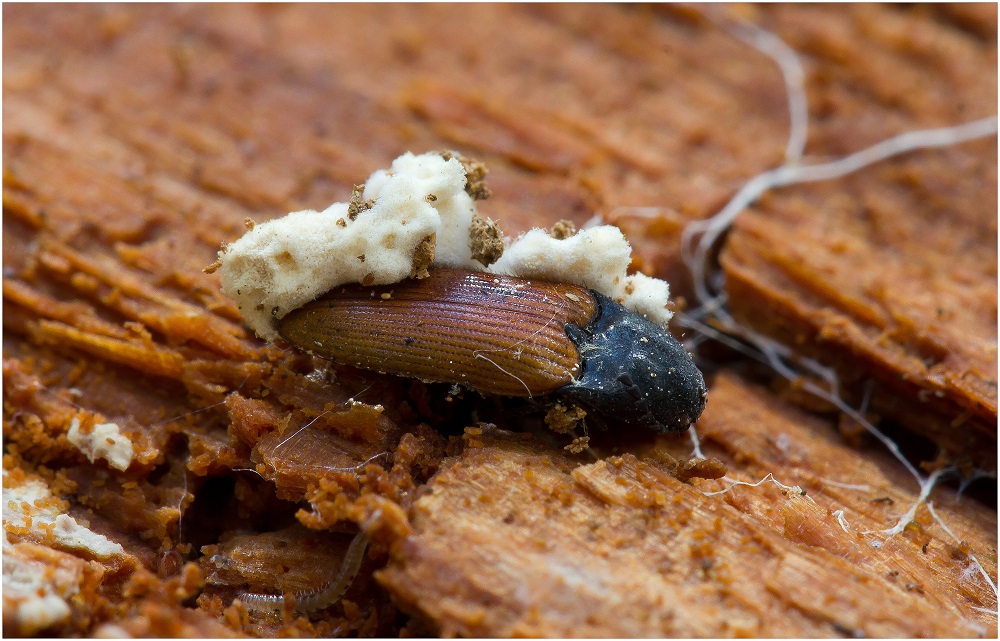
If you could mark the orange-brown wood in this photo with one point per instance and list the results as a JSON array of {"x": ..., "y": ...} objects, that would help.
[
  {"x": 137, "y": 138},
  {"x": 495, "y": 334}
]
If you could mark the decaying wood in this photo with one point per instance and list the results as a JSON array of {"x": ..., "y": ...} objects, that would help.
[
  {"x": 903, "y": 314},
  {"x": 513, "y": 539},
  {"x": 137, "y": 140}
]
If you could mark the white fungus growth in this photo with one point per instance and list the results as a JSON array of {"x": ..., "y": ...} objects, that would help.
[
  {"x": 104, "y": 441},
  {"x": 20, "y": 510},
  {"x": 37, "y": 592},
  {"x": 283, "y": 264},
  {"x": 596, "y": 258},
  {"x": 36, "y": 595}
]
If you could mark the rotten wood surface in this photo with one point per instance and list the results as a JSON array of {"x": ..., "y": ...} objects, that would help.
[
  {"x": 512, "y": 539},
  {"x": 138, "y": 138}
]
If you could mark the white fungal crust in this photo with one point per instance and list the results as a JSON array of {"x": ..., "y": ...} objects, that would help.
[
  {"x": 104, "y": 440},
  {"x": 38, "y": 592},
  {"x": 282, "y": 264},
  {"x": 29, "y": 510},
  {"x": 596, "y": 258}
]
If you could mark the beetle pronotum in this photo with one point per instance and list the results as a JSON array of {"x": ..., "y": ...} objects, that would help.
[{"x": 510, "y": 337}]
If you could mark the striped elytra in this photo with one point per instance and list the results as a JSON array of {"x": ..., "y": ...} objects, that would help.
[{"x": 495, "y": 334}]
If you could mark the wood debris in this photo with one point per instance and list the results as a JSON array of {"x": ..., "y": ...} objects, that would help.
[
  {"x": 512, "y": 525},
  {"x": 137, "y": 140}
]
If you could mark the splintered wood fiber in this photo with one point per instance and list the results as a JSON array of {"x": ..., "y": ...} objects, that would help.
[{"x": 138, "y": 138}]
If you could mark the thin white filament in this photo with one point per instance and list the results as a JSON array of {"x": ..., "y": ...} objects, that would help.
[
  {"x": 788, "y": 174},
  {"x": 842, "y": 520},
  {"x": 768, "y": 478},
  {"x": 982, "y": 571},
  {"x": 926, "y": 485},
  {"x": 790, "y": 65},
  {"x": 847, "y": 486}
]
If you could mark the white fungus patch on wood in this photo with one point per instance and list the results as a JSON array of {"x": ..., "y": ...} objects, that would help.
[
  {"x": 37, "y": 593},
  {"x": 104, "y": 440},
  {"x": 30, "y": 510}
]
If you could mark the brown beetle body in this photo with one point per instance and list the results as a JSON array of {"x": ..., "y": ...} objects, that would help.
[
  {"x": 494, "y": 334},
  {"x": 510, "y": 337}
]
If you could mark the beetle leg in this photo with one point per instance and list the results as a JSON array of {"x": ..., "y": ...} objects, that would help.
[
  {"x": 630, "y": 386},
  {"x": 577, "y": 334},
  {"x": 633, "y": 390}
]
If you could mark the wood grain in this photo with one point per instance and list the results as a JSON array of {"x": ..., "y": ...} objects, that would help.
[{"x": 137, "y": 139}]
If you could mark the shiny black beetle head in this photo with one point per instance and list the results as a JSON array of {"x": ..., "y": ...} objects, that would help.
[{"x": 634, "y": 372}]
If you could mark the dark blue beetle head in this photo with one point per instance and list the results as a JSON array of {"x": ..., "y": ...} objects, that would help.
[{"x": 633, "y": 372}]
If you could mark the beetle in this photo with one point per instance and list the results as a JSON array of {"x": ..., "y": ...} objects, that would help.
[{"x": 510, "y": 337}]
